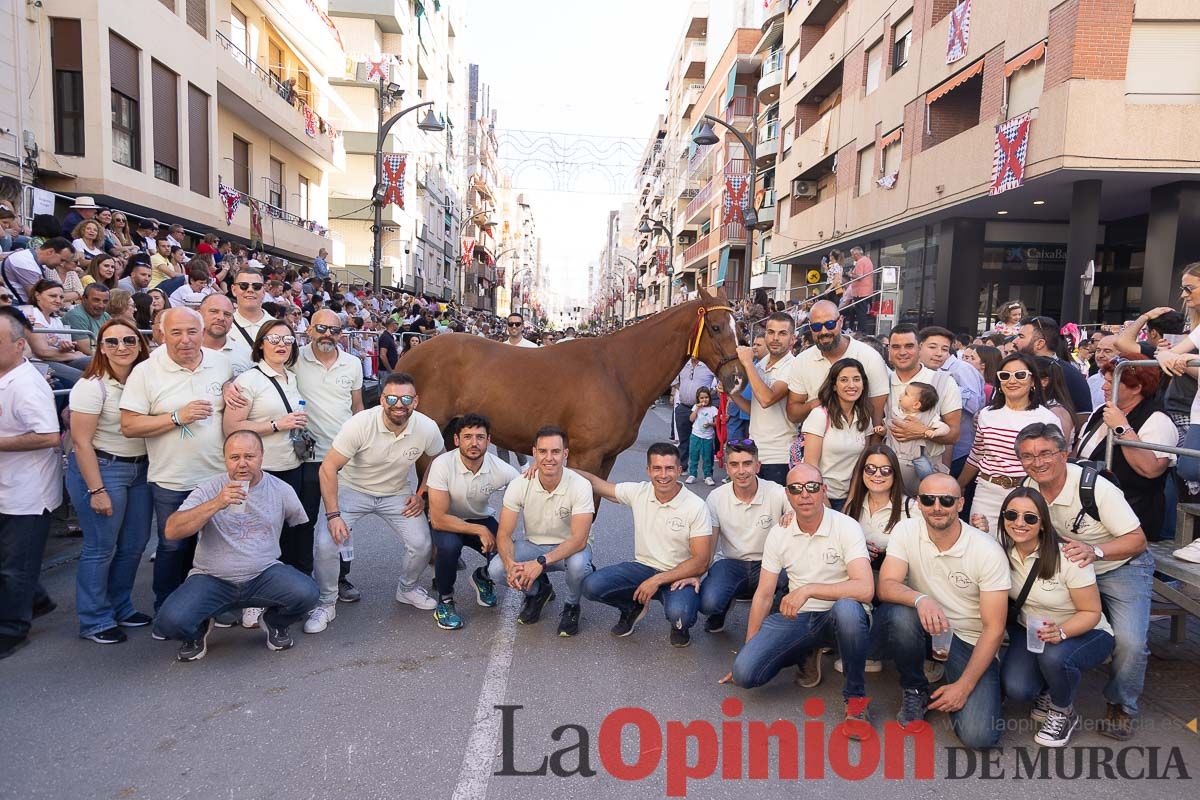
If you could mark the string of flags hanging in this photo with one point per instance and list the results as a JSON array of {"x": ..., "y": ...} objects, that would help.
[{"x": 232, "y": 199}]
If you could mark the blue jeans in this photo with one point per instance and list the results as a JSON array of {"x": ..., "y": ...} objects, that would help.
[
  {"x": 775, "y": 473},
  {"x": 447, "y": 549},
  {"x": 22, "y": 544},
  {"x": 578, "y": 567},
  {"x": 978, "y": 722},
  {"x": 782, "y": 642},
  {"x": 683, "y": 429},
  {"x": 1188, "y": 467},
  {"x": 1058, "y": 668},
  {"x": 112, "y": 545},
  {"x": 614, "y": 586},
  {"x": 729, "y": 579},
  {"x": 172, "y": 559},
  {"x": 1125, "y": 595},
  {"x": 700, "y": 455},
  {"x": 736, "y": 428},
  {"x": 285, "y": 592}
]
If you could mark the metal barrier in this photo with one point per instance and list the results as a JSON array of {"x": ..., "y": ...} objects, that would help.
[{"x": 1110, "y": 440}]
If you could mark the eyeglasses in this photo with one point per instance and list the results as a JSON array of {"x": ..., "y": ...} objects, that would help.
[
  {"x": 246, "y": 286},
  {"x": 808, "y": 487},
  {"x": 871, "y": 469},
  {"x": 1189, "y": 289},
  {"x": 828, "y": 325},
  {"x": 277, "y": 338},
  {"x": 112, "y": 342},
  {"x": 1019, "y": 375},
  {"x": 405, "y": 400},
  {"x": 947, "y": 500},
  {"x": 1029, "y": 517},
  {"x": 336, "y": 330},
  {"x": 1031, "y": 458}
]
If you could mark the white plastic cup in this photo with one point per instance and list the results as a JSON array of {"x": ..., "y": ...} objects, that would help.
[
  {"x": 1032, "y": 643},
  {"x": 240, "y": 508},
  {"x": 941, "y": 645}
]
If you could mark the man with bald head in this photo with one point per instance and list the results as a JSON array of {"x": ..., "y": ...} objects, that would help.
[
  {"x": 217, "y": 312},
  {"x": 1107, "y": 348},
  {"x": 824, "y": 556},
  {"x": 174, "y": 401},
  {"x": 809, "y": 369},
  {"x": 940, "y": 575},
  {"x": 330, "y": 380}
]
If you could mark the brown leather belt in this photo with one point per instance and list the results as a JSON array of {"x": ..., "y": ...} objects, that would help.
[{"x": 1003, "y": 481}]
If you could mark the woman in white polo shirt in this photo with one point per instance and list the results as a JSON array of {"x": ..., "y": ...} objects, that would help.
[
  {"x": 1065, "y": 599},
  {"x": 106, "y": 480},
  {"x": 837, "y": 430}
]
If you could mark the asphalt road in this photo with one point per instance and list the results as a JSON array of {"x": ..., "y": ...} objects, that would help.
[{"x": 385, "y": 705}]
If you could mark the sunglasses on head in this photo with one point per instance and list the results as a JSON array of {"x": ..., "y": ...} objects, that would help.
[
  {"x": 247, "y": 286},
  {"x": 947, "y": 500},
  {"x": 113, "y": 342},
  {"x": 1029, "y": 517},
  {"x": 746, "y": 442},
  {"x": 1020, "y": 375},
  {"x": 336, "y": 330},
  {"x": 871, "y": 469},
  {"x": 405, "y": 400},
  {"x": 828, "y": 325},
  {"x": 279, "y": 338},
  {"x": 808, "y": 487}
]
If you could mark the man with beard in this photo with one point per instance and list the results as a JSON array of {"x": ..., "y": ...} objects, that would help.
[
  {"x": 808, "y": 371},
  {"x": 217, "y": 313},
  {"x": 330, "y": 381},
  {"x": 940, "y": 575},
  {"x": 769, "y": 426}
]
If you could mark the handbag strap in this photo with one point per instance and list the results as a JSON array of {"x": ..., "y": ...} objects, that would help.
[
  {"x": 1020, "y": 601},
  {"x": 278, "y": 388},
  {"x": 245, "y": 336}
]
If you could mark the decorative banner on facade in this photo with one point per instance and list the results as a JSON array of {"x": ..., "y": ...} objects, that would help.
[
  {"x": 633, "y": 283},
  {"x": 1008, "y": 162},
  {"x": 959, "y": 33},
  {"x": 379, "y": 68},
  {"x": 468, "y": 250},
  {"x": 230, "y": 198},
  {"x": 735, "y": 199},
  {"x": 310, "y": 121},
  {"x": 393, "y": 179},
  {"x": 256, "y": 233},
  {"x": 662, "y": 256},
  {"x": 888, "y": 181}
]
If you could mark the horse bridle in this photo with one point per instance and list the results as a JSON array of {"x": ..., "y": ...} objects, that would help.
[{"x": 701, "y": 313}]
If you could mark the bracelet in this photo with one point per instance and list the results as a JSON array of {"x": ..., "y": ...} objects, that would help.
[
  {"x": 333, "y": 515},
  {"x": 1062, "y": 635},
  {"x": 175, "y": 419},
  {"x": 920, "y": 597},
  {"x": 94, "y": 492}
]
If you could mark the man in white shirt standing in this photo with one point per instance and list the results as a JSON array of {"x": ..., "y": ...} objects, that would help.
[
  {"x": 20, "y": 270},
  {"x": 30, "y": 483},
  {"x": 904, "y": 347},
  {"x": 770, "y": 428},
  {"x": 217, "y": 313},
  {"x": 516, "y": 331},
  {"x": 248, "y": 290}
]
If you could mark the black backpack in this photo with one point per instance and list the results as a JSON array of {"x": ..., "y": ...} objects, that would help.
[{"x": 1087, "y": 490}]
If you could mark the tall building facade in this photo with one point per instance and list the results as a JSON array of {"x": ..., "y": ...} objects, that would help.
[{"x": 480, "y": 275}]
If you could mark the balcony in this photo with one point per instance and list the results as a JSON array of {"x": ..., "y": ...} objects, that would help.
[
  {"x": 772, "y": 77},
  {"x": 818, "y": 140},
  {"x": 697, "y": 18},
  {"x": 733, "y": 233},
  {"x": 774, "y": 11},
  {"x": 697, "y": 252},
  {"x": 694, "y": 57},
  {"x": 766, "y": 212},
  {"x": 740, "y": 112},
  {"x": 392, "y": 16},
  {"x": 691, "y": 96},
  {"x": 699, "y": 203},
  {"x": 768, "y": 143}
]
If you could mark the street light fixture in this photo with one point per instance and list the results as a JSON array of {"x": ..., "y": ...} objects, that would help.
[
  {"x": 707, "y": 136},
  {"x": 645, "y": 226}
]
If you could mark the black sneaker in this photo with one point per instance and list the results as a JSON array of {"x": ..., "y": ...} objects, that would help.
[
  {"x": 1057, "y": 729},
  {"x": 277, "y": 638},
  {"x": 110, "y": 636},
  {"x": 136, "y": 620},
  {"x": 43, "y": 608},
  {"x": 1117, "y": 724},
  {"x": 715, "y": 623},
  {"x": 912, "y": 707},
  {"x": 531, "y": 611},
  {"x": 195, "y": 649},
  {"x": 347, "y": 593},
  {"x": 680, "y": 637},
  {"x": 568, "y": 623},
  {"x": 629, "y": 620}
]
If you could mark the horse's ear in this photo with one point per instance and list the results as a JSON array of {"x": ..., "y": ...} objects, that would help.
[{"x": 704, "y": 294}]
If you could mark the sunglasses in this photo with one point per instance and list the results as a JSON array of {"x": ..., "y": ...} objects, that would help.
[
  {"x": 745, "y": 442},
  {"x": 277, "y": 338},
  {"x": 1020, "y": 375},
  {"x": 336, "y": 330},
  {"x": 514, "y": 324},
  {"x": 1029, "y": 517},
  {"x": 828, "y": 325},
  {"x": 871, "y": 469},
  {"x": 808, "y": 487},
  {"x": 405, "y": 400},
  {"x": 947, "y": 500},
  {"x": 245, "y": 286},
  {"x": 112, "y": 342}
]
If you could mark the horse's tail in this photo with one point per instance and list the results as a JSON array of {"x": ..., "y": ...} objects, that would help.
[{"x": 449, "y": 431}]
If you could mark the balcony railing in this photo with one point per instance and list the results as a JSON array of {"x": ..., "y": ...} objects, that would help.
[
  {"x": 286, "y": 93},
  {"x": 772, "y": 63},
  {"x": 768, "y": 132},
  {"x": 742, "y": 106},
  {"x": 737, "y": 166},
  {"x": 733, "y": 232},
  {"x": 699, "y": 201},
  {"x": 697, "y": 250},
  {"x": 275, "y": 212}
]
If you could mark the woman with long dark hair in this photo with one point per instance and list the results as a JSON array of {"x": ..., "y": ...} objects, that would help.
[
  {"x": 838, "y": 429},
  {"x": 1056, "y": 394},
  {"x": 1060, "y": 600}
]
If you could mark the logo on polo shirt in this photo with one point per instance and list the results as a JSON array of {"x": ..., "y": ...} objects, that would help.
[
  {"x": 214, "y": 388},
  {"x": 343, "y": 381},
  {"x": 412, "y": 452},
  {"x": 1050, "y": 584},
  {"x": 765, "y": 522},
  {"x": 563, "y": 512},
  {"x": 676, "y": 524},
  {"x": 960, "y": 579},
  {"x": 483, "y": 490},
  {"x": 831, "y": 555}
]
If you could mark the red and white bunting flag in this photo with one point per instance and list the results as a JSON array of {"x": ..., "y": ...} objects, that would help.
[{"x": 393, "y": 179}]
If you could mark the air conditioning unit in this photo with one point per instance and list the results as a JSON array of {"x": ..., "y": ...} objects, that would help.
[{"x": 803, "y": 188}]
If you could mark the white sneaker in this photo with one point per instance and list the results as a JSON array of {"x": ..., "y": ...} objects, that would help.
[
  {"x": 690, "y": 479},
  {"x": 709, "y": 482},
  {"x": 251, "y": 616},
  {"x": 872, "y": 666},
  {"x": 1189, "y": 553},
  {"x": 418, "y": 598},
  {"x": 319, "y": 619}
]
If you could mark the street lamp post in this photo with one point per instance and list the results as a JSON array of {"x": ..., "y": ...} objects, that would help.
[
  {"x": 657, "y": 230},
  {"x": 707, "y": 136},
  {"x": 633, "y": 265},
  {"x": 430, "y": 124}
]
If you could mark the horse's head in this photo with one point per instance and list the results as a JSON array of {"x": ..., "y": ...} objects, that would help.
[{"x": 717, "y": 343}]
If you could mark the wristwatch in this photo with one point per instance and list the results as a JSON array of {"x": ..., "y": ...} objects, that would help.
[
  {"x": 1062, "y": 635},
  {"x": 1120, "y": 430},
  {"x": 541, "y": 561},
  {"x": 1099, "y": 553}
]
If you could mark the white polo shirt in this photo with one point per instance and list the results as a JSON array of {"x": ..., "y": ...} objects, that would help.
[
  {"x": 743, "y": 527},
  {"x": 875, "y": 525},
  {"x": 237, "y": 351},
  {"x": 954, "y": 578},
  {"x": 102, "y": 397},
  {"x": 547, "y": 514},
  {"x": 470, "y": 492},
  {"x": 329, "y": 393},
  {"x": 251, "y": 327},
  {"x": 662, "y": 532},
  {"x": 809, "y": 370},
  {"x": 821, "y": 557},
  {"x": 949, "y": 400},
  {"x": 181, "y": 458},
  {"x": 840, "y": 449},
  {"x": 1051, "y": 598},
  {"x": 380, "y": 461},
  {"x": 1116, "y": 517},
  {"x": 265, "y": 406},
  {"x": 769, "y": 427},
  {"x": 30, "y": 480}
]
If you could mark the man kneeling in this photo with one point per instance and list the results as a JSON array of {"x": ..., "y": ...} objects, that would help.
[{"x": 237, "y": 556}]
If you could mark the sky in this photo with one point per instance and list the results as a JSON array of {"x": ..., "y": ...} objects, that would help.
[{"x": 591, "y": 68}]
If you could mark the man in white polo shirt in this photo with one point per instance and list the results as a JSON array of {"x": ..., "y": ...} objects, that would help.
[
  {"x": 21, "y": 269},
  {"x": 30, "y": 482},
  {"x": 742, "y": 512},
  {"x": 217, "y": 313},
  {"x": 460, "y": 485},
  {"x": 367, "y": 471},
  {"x": 770, "y": 428},
  {"x": 940, "y": 575},
  {"x": 557, "y": 508},
  {"x": 809, "y": 370},
  {"x": 174, "y": 401},
  {"x": 672, "y": 541},
  {"x": 823, "y": 554},
  {"x": 248, "y": 289},
  {"x": 904, "y": 346}
]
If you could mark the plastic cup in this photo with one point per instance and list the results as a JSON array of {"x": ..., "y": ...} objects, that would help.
[
  {"x": 1032, "y": 643},
  {"x": 941, "y": 645},
  {"x": 240, "y": 508}
]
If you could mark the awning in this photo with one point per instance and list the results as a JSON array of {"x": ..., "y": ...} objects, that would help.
[
  {"x": 1034, "y": 53},
  {"x": 952, "y": 84},
  {"x": 892, "y": 137}
]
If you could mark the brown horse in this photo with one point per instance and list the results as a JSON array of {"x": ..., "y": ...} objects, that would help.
[{"x": 597, "y": 390}]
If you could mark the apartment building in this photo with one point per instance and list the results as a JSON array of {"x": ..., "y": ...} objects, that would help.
[
  {"x": 479, "y": 248},
  {"x": 402, "y": 53},
  {"x": 892, "y": 110},
  {"x": 520, "y": 274},
  {"x": 149, "y": 107}
]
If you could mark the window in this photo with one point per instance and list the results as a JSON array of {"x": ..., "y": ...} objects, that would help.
[
  {"x": 241, "y": 165},
  {"x": 1164, "y": 62},
  {"x": 67, "y": 61},
  {"x": 789, "y": 134},
  {"x": 239, "y": 32},
  {"x": 891, "y": 158},
  {"x": 124, "y": 68},
  {"x": 165, "y": 112},
  {"x": 275, "y": 185},
  {"x": 304, "y": 194},
  {"x": 901, "y": 42},
  {"x": 198, "y": 140},
  {"x": 1025, "y": 88},
  {"x": 866, "y": 169},
  {"x": 275, "y": 60},
  {"x": 874, "y": 66},
  {"x": 954, "y": 106},
  {"x": 304, "y": 88},
  {"x": 197, "y": 16},
  {"x": 793, "y": 61}
]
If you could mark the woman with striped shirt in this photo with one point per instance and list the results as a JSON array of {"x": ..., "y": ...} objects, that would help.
[{"x": 1016, "y": 402}]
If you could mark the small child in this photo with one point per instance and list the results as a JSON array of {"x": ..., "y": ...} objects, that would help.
[
  {"x": 704, "y": 430},
  {"x": 917, "y": 402},
  {"x": 834, "y": 272}
]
